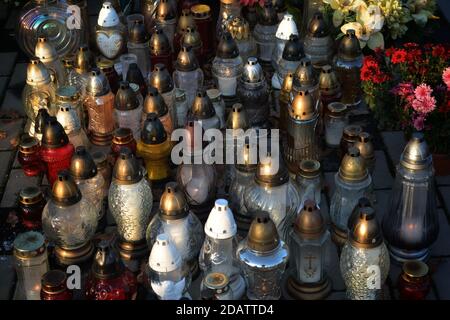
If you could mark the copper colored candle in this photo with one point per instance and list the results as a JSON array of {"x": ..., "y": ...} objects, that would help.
[
  {"x": 31, "y": 204},
  {"x": 414, "y": 281},
  {"x": 29, "y": 158},
  {"x": 53, "y": 286},
  {"x": 122, "y": 137},
  {"x": 202, "y": 18},
  {"x": 107, "y": 68}
]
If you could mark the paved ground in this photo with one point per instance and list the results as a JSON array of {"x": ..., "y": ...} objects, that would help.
[{"x": 388, "y": 148}]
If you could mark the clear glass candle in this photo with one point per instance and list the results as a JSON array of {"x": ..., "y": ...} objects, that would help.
[
  {"x": 228, "y": 9},
  {"x": 68, "y": 118},
  {"x": 285, "y": 29},
  {"x": 139, "y": 45},
  {"x": 166, "y": 19},
  {"x": 181, "y": 108},
  {"x": 335, "y": 122},
  {"x": 128, "y": 109},
  {"x": 265, "y": 31},
  {"x": 241, "y": 33},
  {"x": 310, "y": 182}
]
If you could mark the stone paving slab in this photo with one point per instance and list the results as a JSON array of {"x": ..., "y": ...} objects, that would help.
[
  {"x": 381, "y": 175},
  {"x": 16, "y": 182},
  {"x": 3, "y": 85},
  {"x": 445, "y": 191},
  {"x": 13, "y": 129},
  {"x": 395, "y": 143},
  {"x": 442, "y": 280},
  {"x": 18, "y": 77},
  {"x": 442, "y": 245},
  {"x": 8, "y": 60},
  {"x": 13, "y": 102},
  {"x": 5, "y": 158},
  {"x": 8, "y": 276}
]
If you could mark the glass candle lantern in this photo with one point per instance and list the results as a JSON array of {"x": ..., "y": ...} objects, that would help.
[
  {"x": 128, "y": 110},
  {"x": 228, "y": 10},
  {"x": 185, "y": 20},
  {"x": 302, "y": 127},
  {"x": 130, "y": 201},
  {"x": 162, "y": 81},
  {"x": 289, "y": 61},
  {"x": 364, "y": 259},
  {"x": 71, "y": 123},
  {"x": 318, "y": 44},
  {"x": 39, "y": 91},
  {"x": 70, "y": 221},
  {"x": 250, "y": 15},
  {"x": 240, "y": 31},
  {"x": 196, "y": 178},
  {"x": 349, "y": 137},
  {"x": 366, "y": 149},
  {"x": 411, "y": 226},
  {"x": 191, "y": 38},
  {"x": 274, "y": 192},
  {"x": 253, "y": 93},
  {"x": 244, "y": 175},
  {"x": 310, "y": 8},
  {"x": 99, "y": 104},
  {"x": 305, "y": 79},
  {"x": 181, "y": 226},
  {"x": 181, "y": 108},
  {"x": 169, "y": 274},
  {"x": 90, "y": 182},
  {"x": 82, "y": 64},
  {"x": 286, "y": 28},
  {"x": 155, "y": 147},
  {"x": 138, "y": 44},
  {"x": 54, "y": 286},
  {"x": 414, "y": 282},
  {"x": 354, "y": 216},
  {"x": 310, "y": 249},
  {"x": 160, "y": 50},
  {"x": 219, "y": 105},
  {"x": 107, "y": 68},
  {"x": 46, "y": 53},
  {"x": 348, "y": 63},
  {"x": 329, "y": 87},
  {"x": 56, "y": 150},
  {"x": 70, "y": 96},
  {"x": 203, "y": 21},
  {"x": 227, "y": 66},
  {"x": 203, "y": 111},
  {"x": 104, "y": 168},
  {"x": 126, "y": 60},
  {"x": 109, "y": 279},
  {"x": 263, "y": 257},
  {"x": 122, "y": 137},
  {"x": 215, "y": 286},
  {"x": 187, "y": 75},
  {"x": 31, "y": 204},
  {"x": 265, "y": 31},
  {"x": 284, "y": 100},
  {"x": 29, "y": 158},
  {"x": 154, "y": 103},
  {"x": 137, "y": 81},
  {"x": 335, "y": 121},
  {"x": 148, "y": 8},
  {"x": 353, "y": 182},
  {"x": 218, "y": 254},
  {"x": 166, "y": 19},
  {"x": 39, "y": 124},
  {"x": 110, "y": 33},
  {"x": 30, "y": 256},
  {"x": 310, "y": 182}
]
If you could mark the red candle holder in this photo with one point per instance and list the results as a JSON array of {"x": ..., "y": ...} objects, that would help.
[
  {"x": 29, "y": 158},
  {"x": 31, "y": 204},
  {"x": 414, "y": 282},
  {"x": 54, "y": 286}
]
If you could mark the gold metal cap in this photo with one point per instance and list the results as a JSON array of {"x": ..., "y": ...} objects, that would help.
[
  {"x": 216, "y": 280},
  {"x": 29, "y": 145},
  {"x": 349, "y": 48},
  {"x": 268, "y": 15},
  {"x": 138, "y": 33},
  {"x": 82, "y": 166},
  {"x": 153, "y": 130},
  {"x": 30, "y": 195},
  {"x": 104, "y": 64},
  {"x": 53, "y": 135},
  {"x": 365, "y": 146},
  {"x": 416, "y": 155},
  {"x": 127, "y": 169},
  {"x": 67, "y": 93},
  {"x": 353, "y": 168},
  {"x": 45, "y": 51},
  {"x": 161, "y": 79},
  {"x": 202, "y": 107},
  {"x": 318, "y": 27},
  {"x": 186, "y": 60},
  {"x": 37, "y": 73},
  {"x": 337, "y": 109},
  {"x": 328, "y": 81},
  {"x": 122, "y": 136},
  {"x": 97, "y": 83},
  {"x": 415, "y": 269},
  {"x": 159, "y": 43},
  {"x": 263, "y": 235},
  {"x": 293, "y": 49},
  {"x": 227, "y": 47},
  {"x": 184, "y": 21},
  {"x": 173, "y": 204},
  {"x": 54, "y": 282},
  {"x": 237, "y": 119},
  {"x": 309, "y": 168},
  {"x": 354, "y": 216},
  {"x": 239, "y": 28},
  {"x": 107, "y": 264},
  {"x": 192, "y": 38},
  {"x": 65, "y": 192},
  {"x": 304, "y": 74},
  {"x": 303, "y": 107},
  {"x": 266, "y": 175},
  {"x": 201, "y": 11},
  {"x": 309, "y": 223},
  {"x": 29, "y": 244},
  {"x": 252, "y": 71},
  {"x": 286, "y": 86},
  {"x": 366, "y": 232},
  {"x": 154, "y": 103},
  {"x": 126, "y": 98},
  {"x": 351, "y": 132},
  {"x": 165, "y": 11},
  {"x": 84, "y": 60}
]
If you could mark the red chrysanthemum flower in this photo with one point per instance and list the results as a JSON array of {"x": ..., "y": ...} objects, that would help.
[
  {"x": 438, "y": 51},
  {"x": 399, "y": 56}
]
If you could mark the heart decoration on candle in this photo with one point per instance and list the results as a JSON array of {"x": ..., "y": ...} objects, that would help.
[{"x": 110, "y": 44}]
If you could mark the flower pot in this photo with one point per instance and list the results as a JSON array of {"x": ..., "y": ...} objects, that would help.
[{"x": 441, "y": 163}]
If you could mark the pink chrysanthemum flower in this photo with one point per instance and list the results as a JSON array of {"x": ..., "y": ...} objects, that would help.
[
  {"x": 446, "y": 77},
  {"x": 424, "y": 105},
  {"x": 423, "y": 91}
]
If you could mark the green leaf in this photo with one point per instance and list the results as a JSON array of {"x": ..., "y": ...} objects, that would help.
[
  {"x": 376, "y": 40},
  {"x": 338, "y": 18}
]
